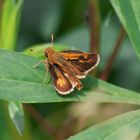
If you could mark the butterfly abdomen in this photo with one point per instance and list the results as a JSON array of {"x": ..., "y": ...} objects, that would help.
[{"x": 78, "y": 83}]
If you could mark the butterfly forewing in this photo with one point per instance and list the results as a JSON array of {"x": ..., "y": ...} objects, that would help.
[{"x": 84, "y": 62}]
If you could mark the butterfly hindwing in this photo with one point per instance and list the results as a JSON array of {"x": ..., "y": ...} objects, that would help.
[{"x": 61, "y": 83}]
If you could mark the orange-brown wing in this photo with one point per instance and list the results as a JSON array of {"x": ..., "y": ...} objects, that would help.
[
  {"x": 61, "y": 83},
  {"x": 84, "y": 62}
]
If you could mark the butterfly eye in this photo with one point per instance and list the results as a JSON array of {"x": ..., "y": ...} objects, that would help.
[{"x": 46, "y": 54}]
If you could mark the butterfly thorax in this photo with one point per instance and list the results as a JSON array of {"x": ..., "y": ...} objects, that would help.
[
  {"x": 49, "y": 51},
  {"x": 51, "y": 55}
]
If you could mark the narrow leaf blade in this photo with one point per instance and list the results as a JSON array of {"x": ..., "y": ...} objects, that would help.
[
  {"x": 10, "y": 21},
  {"x": 17, "y": 116}
]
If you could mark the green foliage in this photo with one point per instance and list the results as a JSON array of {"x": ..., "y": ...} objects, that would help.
[
  {"x": 25, "y": 84},
  {"x": 21, "y": 83},
  {"x": 129, "y": 16},
  {"x": 123, "y": 127},
  {"x": 9, "y": 28}
]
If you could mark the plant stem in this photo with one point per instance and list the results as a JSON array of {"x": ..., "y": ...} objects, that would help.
[
  {"x": 39, "y": 119},
  {"x": 105, "y": 74},
  {"x": 94, "y": 23}
]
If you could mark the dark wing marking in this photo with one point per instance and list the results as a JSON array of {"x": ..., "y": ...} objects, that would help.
[{"x": 84, "y": 62}]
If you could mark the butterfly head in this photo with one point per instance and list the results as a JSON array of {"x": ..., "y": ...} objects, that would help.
[{"x": 49, "y": 51}]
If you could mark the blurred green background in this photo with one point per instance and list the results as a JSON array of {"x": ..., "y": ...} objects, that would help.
[{"x": 68, "y": 21}]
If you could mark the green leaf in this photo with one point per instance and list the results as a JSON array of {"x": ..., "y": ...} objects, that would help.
[
  {"x": 128, "y": 12},
  {"x": 21, "y": 83},
  {"x": 10, "y": 21},
  {"x": 17, "y": 116},
  {"x": 123, "y": 127}
]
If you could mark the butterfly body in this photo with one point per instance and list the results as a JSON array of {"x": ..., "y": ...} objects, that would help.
[{"x": 68, "y": 67}]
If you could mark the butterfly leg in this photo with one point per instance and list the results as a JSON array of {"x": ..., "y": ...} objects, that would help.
[
  {"x": 36, "y": 65},
  {"x": 45, "y": 79},
  {"x": 46, "y": 75},
  {"x": 46, "y": 64}
]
